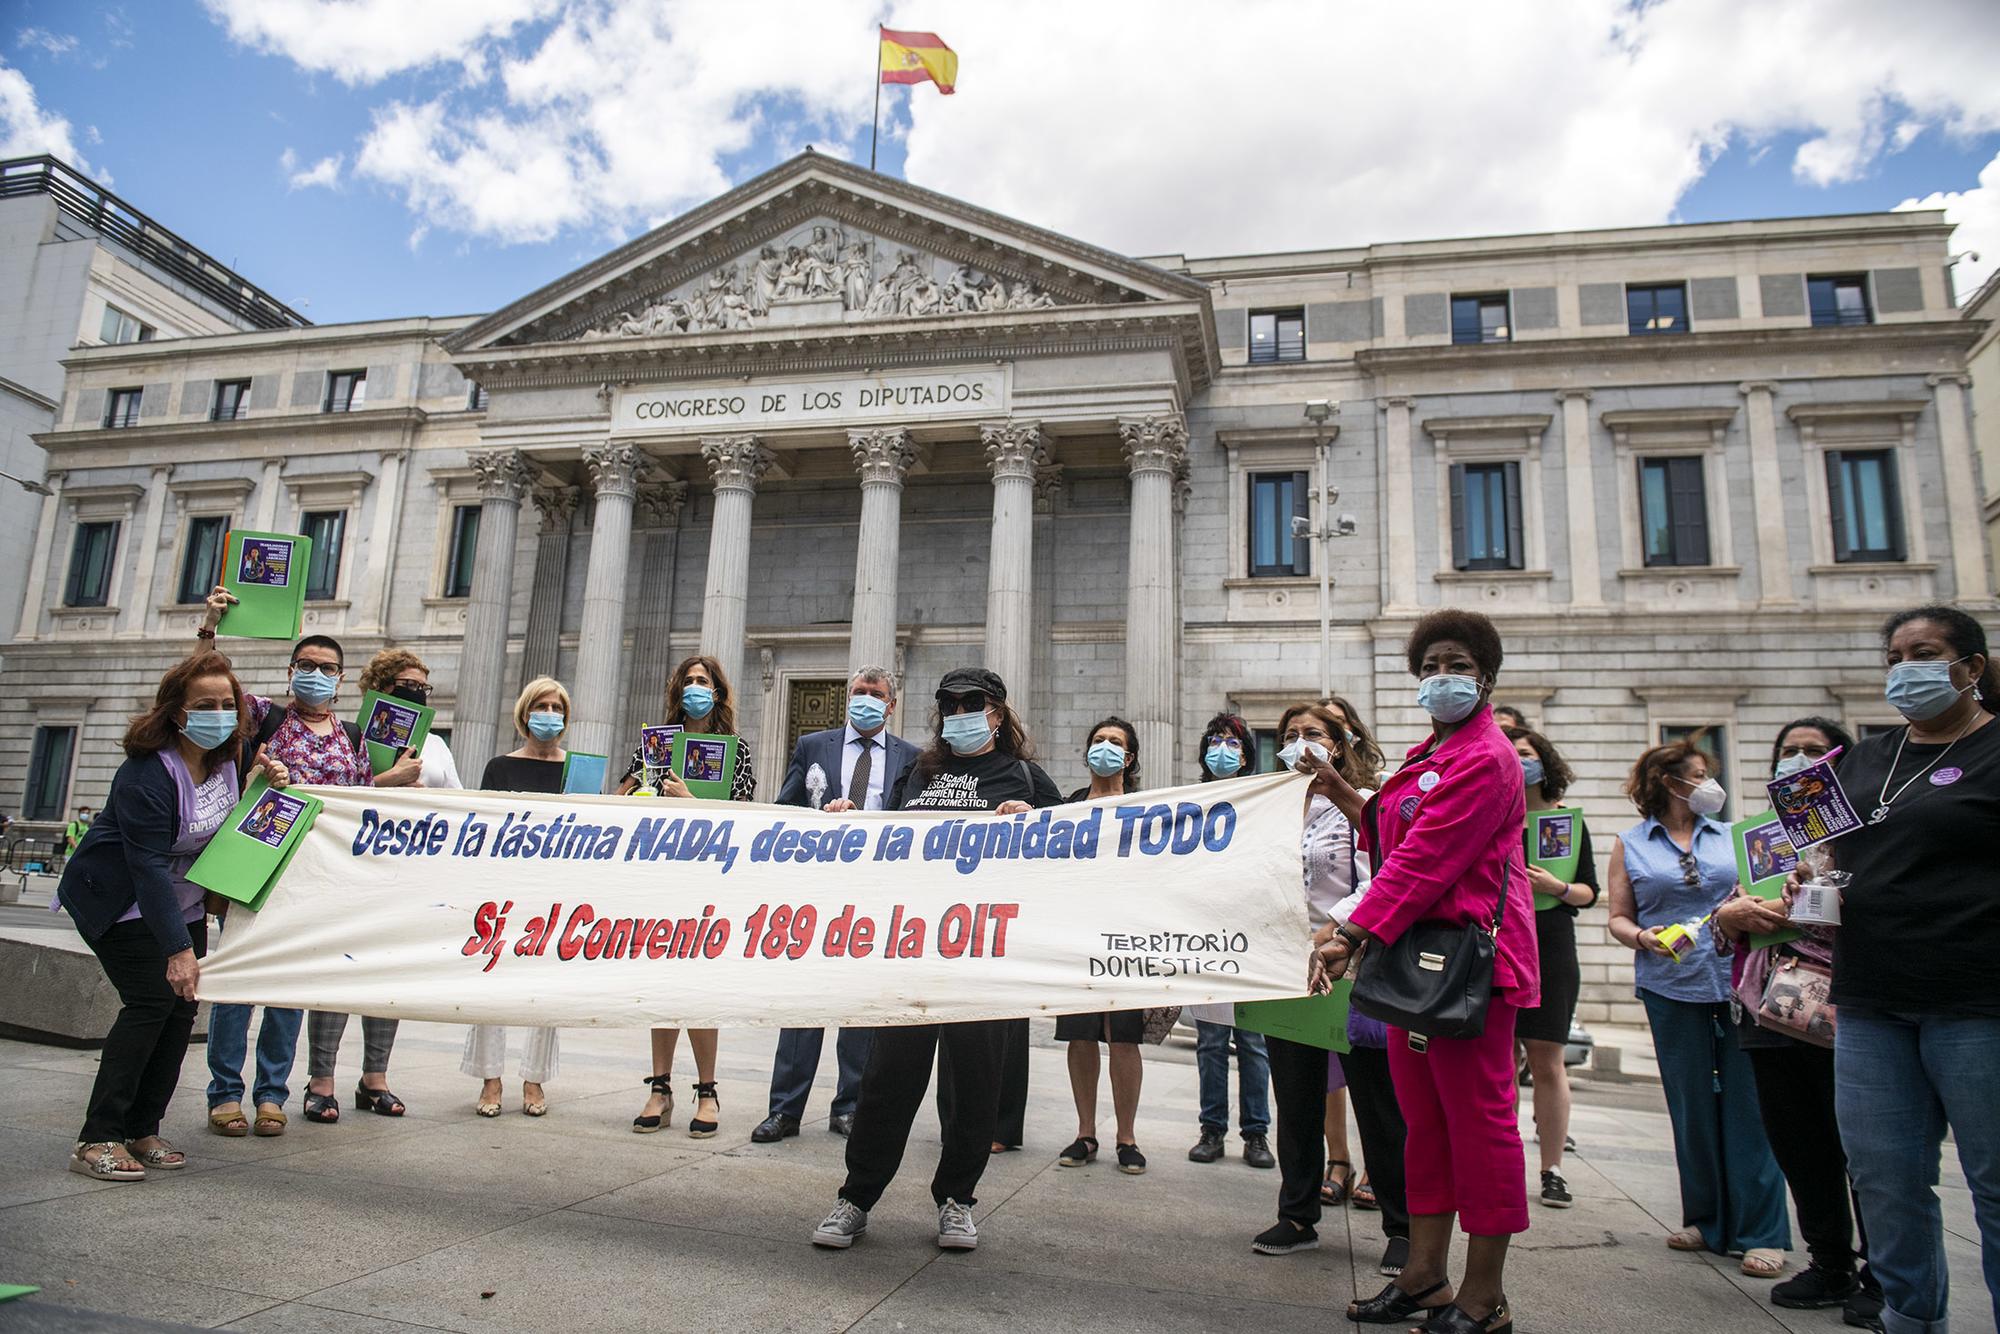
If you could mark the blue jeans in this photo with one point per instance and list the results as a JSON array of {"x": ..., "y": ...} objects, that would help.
[
  {"x": 1899, "y": 1081},
  {"x": 1253, "y": 1077},
  {"x": 277, "y": 1043}
]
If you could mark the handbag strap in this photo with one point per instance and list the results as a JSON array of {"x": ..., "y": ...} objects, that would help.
[{"x": 1500, "y": 905}]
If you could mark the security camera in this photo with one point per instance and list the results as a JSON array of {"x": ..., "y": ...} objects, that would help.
[
  {"x": 1345, "y": 525},
  {"x": 1301, "y": 526}
]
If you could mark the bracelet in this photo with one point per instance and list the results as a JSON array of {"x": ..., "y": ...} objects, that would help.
[
  {"x": 1354, "y": 941},
  {"x": 205, "y": 633}
]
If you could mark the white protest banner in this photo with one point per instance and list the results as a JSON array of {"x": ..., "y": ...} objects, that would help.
[{"x": 517, "y": 908}]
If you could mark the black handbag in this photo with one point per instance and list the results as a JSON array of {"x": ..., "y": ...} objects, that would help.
[{"x": 1436, "y": 979}]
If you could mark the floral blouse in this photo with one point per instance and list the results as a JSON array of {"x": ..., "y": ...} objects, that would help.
[
  {"x": 742, "y": 788},
  {"x": 331, "y": 760}
]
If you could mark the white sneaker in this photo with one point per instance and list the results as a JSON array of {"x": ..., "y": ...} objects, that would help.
[
  {"x": 956, "y": 1230},
  {"x": 839, "y": 1229}
]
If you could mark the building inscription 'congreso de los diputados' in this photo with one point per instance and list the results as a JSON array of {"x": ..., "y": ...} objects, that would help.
[{"x": 830, "y": 418}]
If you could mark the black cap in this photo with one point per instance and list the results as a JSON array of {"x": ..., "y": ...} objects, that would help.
[{"x": 961, "y": 679}]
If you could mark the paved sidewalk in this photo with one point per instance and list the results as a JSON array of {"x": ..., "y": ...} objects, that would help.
[{"x": 574, "y": 1223}]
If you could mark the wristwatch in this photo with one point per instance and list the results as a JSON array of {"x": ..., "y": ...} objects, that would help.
[{"x": 1354, "y": 942}]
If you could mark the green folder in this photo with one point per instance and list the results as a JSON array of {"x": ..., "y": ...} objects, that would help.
[
  {"x": 266, "y": 572},
  {"x": 389, "y": 726},
  {"x": 9, "y": 1291},
  {"x": 1555, "y": 843},
  {"x": 1764, "y": 857},
  {"x": 1317, "y": 1021},
  {"x": 255, "y": 844},
  {"x": 583, "y": 773},
  {"x": 706, "y": 763}
]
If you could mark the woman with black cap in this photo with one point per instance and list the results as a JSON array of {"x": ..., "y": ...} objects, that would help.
[{"x": 978, "y": 760}]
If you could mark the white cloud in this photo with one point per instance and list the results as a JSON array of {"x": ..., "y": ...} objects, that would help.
[
  {"x": 55, "y": 44},
  {"x": 1976, "y": 214},
  {"x": 26, "y": 129},
  {"x": 325, "y": 172},
  {"x": 364, "y": 41}
]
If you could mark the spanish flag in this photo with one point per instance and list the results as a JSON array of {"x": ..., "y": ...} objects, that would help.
[{"x": 912, "y": 57}]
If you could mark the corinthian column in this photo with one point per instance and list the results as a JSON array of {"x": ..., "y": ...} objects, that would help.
[
  {"x": 540, "y": 652},
  {"x": 736, "y": 463},
  {"x": 882, "y": 455},
  {"x": 600, "y": 644},
  {"x": 1013, "y": 450},
  {"x": 1154, "y": 448},
  {"x": 505, "y": 475}
]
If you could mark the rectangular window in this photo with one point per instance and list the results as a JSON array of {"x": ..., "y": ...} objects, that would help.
[
  {"x": 1673, "y": 505},
  {"x": 90, "y": 564},
  {"x": 47, "y": 797},
  {"x": 118, "y": 327},
  {"x": 1867, "y": 506},
  {"x": 1659, "y": 309},
  {"x": 201, "y": 566},
  {"x": 1267, "y": 749},
  {"x": 346, "y": 391},
  {"x": 1711, "y": 741},
  {"x": 232, "y": 400},
  {"x": 475, "y": 398},
  {"x": 1277, "y": 335},
  {"x": 1486, "y": 516},
  {"x": 1839, "y": 300},
  {"x": 1480, "y": 319},
  {"x": 121, "y": 408},
  {"x": 1275, "y": 497},
  {"x": 464, "y": 551},
  {"x": 326, "y": 528}
]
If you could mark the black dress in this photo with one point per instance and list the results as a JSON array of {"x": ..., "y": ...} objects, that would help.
[
  {"x": 1555, "y": 945},
  {"x": 1126, "y": 1025},
  {"x": 509, "y": 773}
]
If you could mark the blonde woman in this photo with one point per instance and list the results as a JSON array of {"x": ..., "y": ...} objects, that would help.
[{"x": 541, "y": 716}]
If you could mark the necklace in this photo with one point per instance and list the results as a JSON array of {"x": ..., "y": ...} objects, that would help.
[{"x": 1883, "y": 799}]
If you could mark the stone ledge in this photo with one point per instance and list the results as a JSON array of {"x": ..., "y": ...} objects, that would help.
[{"x": 53, "y": 990}]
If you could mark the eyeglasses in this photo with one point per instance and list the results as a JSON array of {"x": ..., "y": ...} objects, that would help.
[
  {"x": 972, "y": 701},
  {"x": 419, "y": 688},
  {"x": 321, "y": 668},
  {"x": 1226, "y": 742},
  {"x": 1690, "y": 870}
]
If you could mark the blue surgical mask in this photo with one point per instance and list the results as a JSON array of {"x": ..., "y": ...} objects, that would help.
[
  {"x": 1223, "y": 761},
  {"x": 546, "y": 725},
  {"x": 864, "y": 711},
  {"x": 207, "y": 728},
  {"x": 697, "y": 701},
  {"x": 1449, "y": 699},
  {"x": 967, "y": 732},
  {"x": 1105, "y": 758},
  {"x": 1921, "y": 690},
  {"x": 314, "y": 687},
  {"x": 1791, "y": 764},
  {"x": 1532, "y": 772}
]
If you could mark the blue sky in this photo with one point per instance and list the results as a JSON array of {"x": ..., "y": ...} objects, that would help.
[{"x": 465, "y": 160}]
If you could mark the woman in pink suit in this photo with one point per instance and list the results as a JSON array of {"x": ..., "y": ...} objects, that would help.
[{"x": 1445, "y": 836}]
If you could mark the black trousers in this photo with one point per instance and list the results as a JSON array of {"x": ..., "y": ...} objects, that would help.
[
  {"x": 1298, "y": 1096},
  {"x": 1795, "y": 1101},
  {"x": 1373, "y": 1094},
  {"x": 141, "y": 1060},
  {"x": 969, "y": 1058},
  {"x": 1010, "y": 1125}
]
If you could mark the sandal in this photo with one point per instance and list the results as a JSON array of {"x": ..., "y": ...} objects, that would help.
[
  {"x": 106, "y": 1162},
  {"x": 1363, "y": 1194},
  {"x": 1763, "y": 1262},
  {"x": 1392, "y": 1304},
  {"x": 1335, "y": 1189},
  {"x": 322, "y": 1107},
  {"x": 169, "y": 1159},
  {"x": 379, "y": 1101},
  {"x": 535, "y": 1106},
  {"x": 1687, "y": 1239},
  {"x": 649, "y": 1125},
  {"x": 271, "y": 1119},
  {"x": 698, "y": 1128},
  {"x": 226, "y": 1118},
  {"x": 1130, "y": 1161},
  {"x": 1078, "y": 1153}
]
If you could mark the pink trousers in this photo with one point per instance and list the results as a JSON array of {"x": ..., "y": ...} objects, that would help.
[{"x": 1463, "y": 1154}]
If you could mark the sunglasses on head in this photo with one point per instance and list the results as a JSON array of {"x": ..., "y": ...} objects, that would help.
[
  {"x": 1690, "y": 870},
  {"x": 972, "y": 701}
]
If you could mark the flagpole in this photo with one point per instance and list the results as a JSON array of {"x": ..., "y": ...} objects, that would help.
[{"x": 875, "y": 122}]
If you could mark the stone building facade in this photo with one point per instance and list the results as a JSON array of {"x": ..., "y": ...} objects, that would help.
[{"x": 830, "y": 418}]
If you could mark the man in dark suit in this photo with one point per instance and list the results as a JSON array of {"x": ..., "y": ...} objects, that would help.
[{"x": 843, "y": 768}]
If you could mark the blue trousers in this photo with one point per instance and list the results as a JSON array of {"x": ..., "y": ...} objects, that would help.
[
  {"x": 1253, "y": 1077},
  {"x": 798, "y": 1061},
  {"x": 1731, "y": 1188},
  {"x": 277, "y": 1044},
  {"x": 1899, "y": 1081}
]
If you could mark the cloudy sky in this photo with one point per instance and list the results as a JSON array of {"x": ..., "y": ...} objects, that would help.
[{"x": 380, "y": 157}]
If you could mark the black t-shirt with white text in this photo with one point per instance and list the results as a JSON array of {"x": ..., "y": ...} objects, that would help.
[{"x": 973, "y": 783}]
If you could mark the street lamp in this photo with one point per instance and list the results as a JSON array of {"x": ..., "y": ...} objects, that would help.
[
  {"x": 1322, "y": 528},
  {"x": 27, "y": 484}
]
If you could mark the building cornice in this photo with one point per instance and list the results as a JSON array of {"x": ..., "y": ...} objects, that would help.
[
  {"x": 393, "y": 331},
  {"x": 243, "y": 428},
  {"x": 1953, "y": 336},
  {"x": 26, "y": 394},
  {"x": 1667, "y": 418},
  {"x": 1862, "y": 411}
]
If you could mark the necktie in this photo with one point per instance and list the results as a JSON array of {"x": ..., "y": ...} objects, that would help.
[{"x": 857, "y": 784}]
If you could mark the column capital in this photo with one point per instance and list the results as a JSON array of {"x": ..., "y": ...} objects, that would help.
[
  {"x": 558, "y": 507},
  {"x": 1403, "y": 401},
  {"x": 1154, "y": 444},
  {"x": 1757, "y": 387},
  {"x": 1013, "y": 448},
  {"x": 882, "y": 454},
  {"x": 660, "y": 503},
  {"x": 1048, "y": 487},
  {"x": 504, "y": 474},
  {"x": 615, "y": 468},
  {"x": 1959, "y": 378},
  {"x": 736, "y": 462},
  {"x": 1565, "y": 395},
  {"x": 1183, "y": 483}
]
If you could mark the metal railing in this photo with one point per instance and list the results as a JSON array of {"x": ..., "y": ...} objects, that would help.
[{"x": 97, "y": 208}]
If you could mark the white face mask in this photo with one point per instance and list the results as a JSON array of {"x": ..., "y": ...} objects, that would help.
[
  {"x": 1705, "y": 797},
  {"x": 1299, "y": 747}
]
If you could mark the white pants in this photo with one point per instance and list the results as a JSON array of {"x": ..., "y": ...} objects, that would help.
[{"x": 486, "y": 1053}]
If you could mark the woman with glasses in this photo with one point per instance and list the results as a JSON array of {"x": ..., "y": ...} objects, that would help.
[
  {"x": 1678, "y": 866},
  {"x": 978, "y": 759},
  {"x": 401, "y": 674}
]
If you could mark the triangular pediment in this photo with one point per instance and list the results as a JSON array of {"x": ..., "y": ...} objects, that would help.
[{"x": 821, "y": 245}]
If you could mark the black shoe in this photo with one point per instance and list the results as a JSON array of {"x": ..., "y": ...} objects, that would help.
[
  {"x": 842, "y": 1126},
  {"x": 1555, "y": 1192},
  {"x": 1814, "y": 1289},
  {"x": 1284, "y": 1237},
  {"x": 774, "y": 1128},
  {"x": 1257, "y": 1151},
  {"x": 1130, "y": 1161},
  {"x": 1081, "y": 1151},
  {"x": 1395, "y": 1257},
  {"x": 698, "y": 1128},
  {"x": 1393, "y": 1306},
  {"x": 1208, "y": 1148},
  {"x": 1863, "y": 1310}
]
